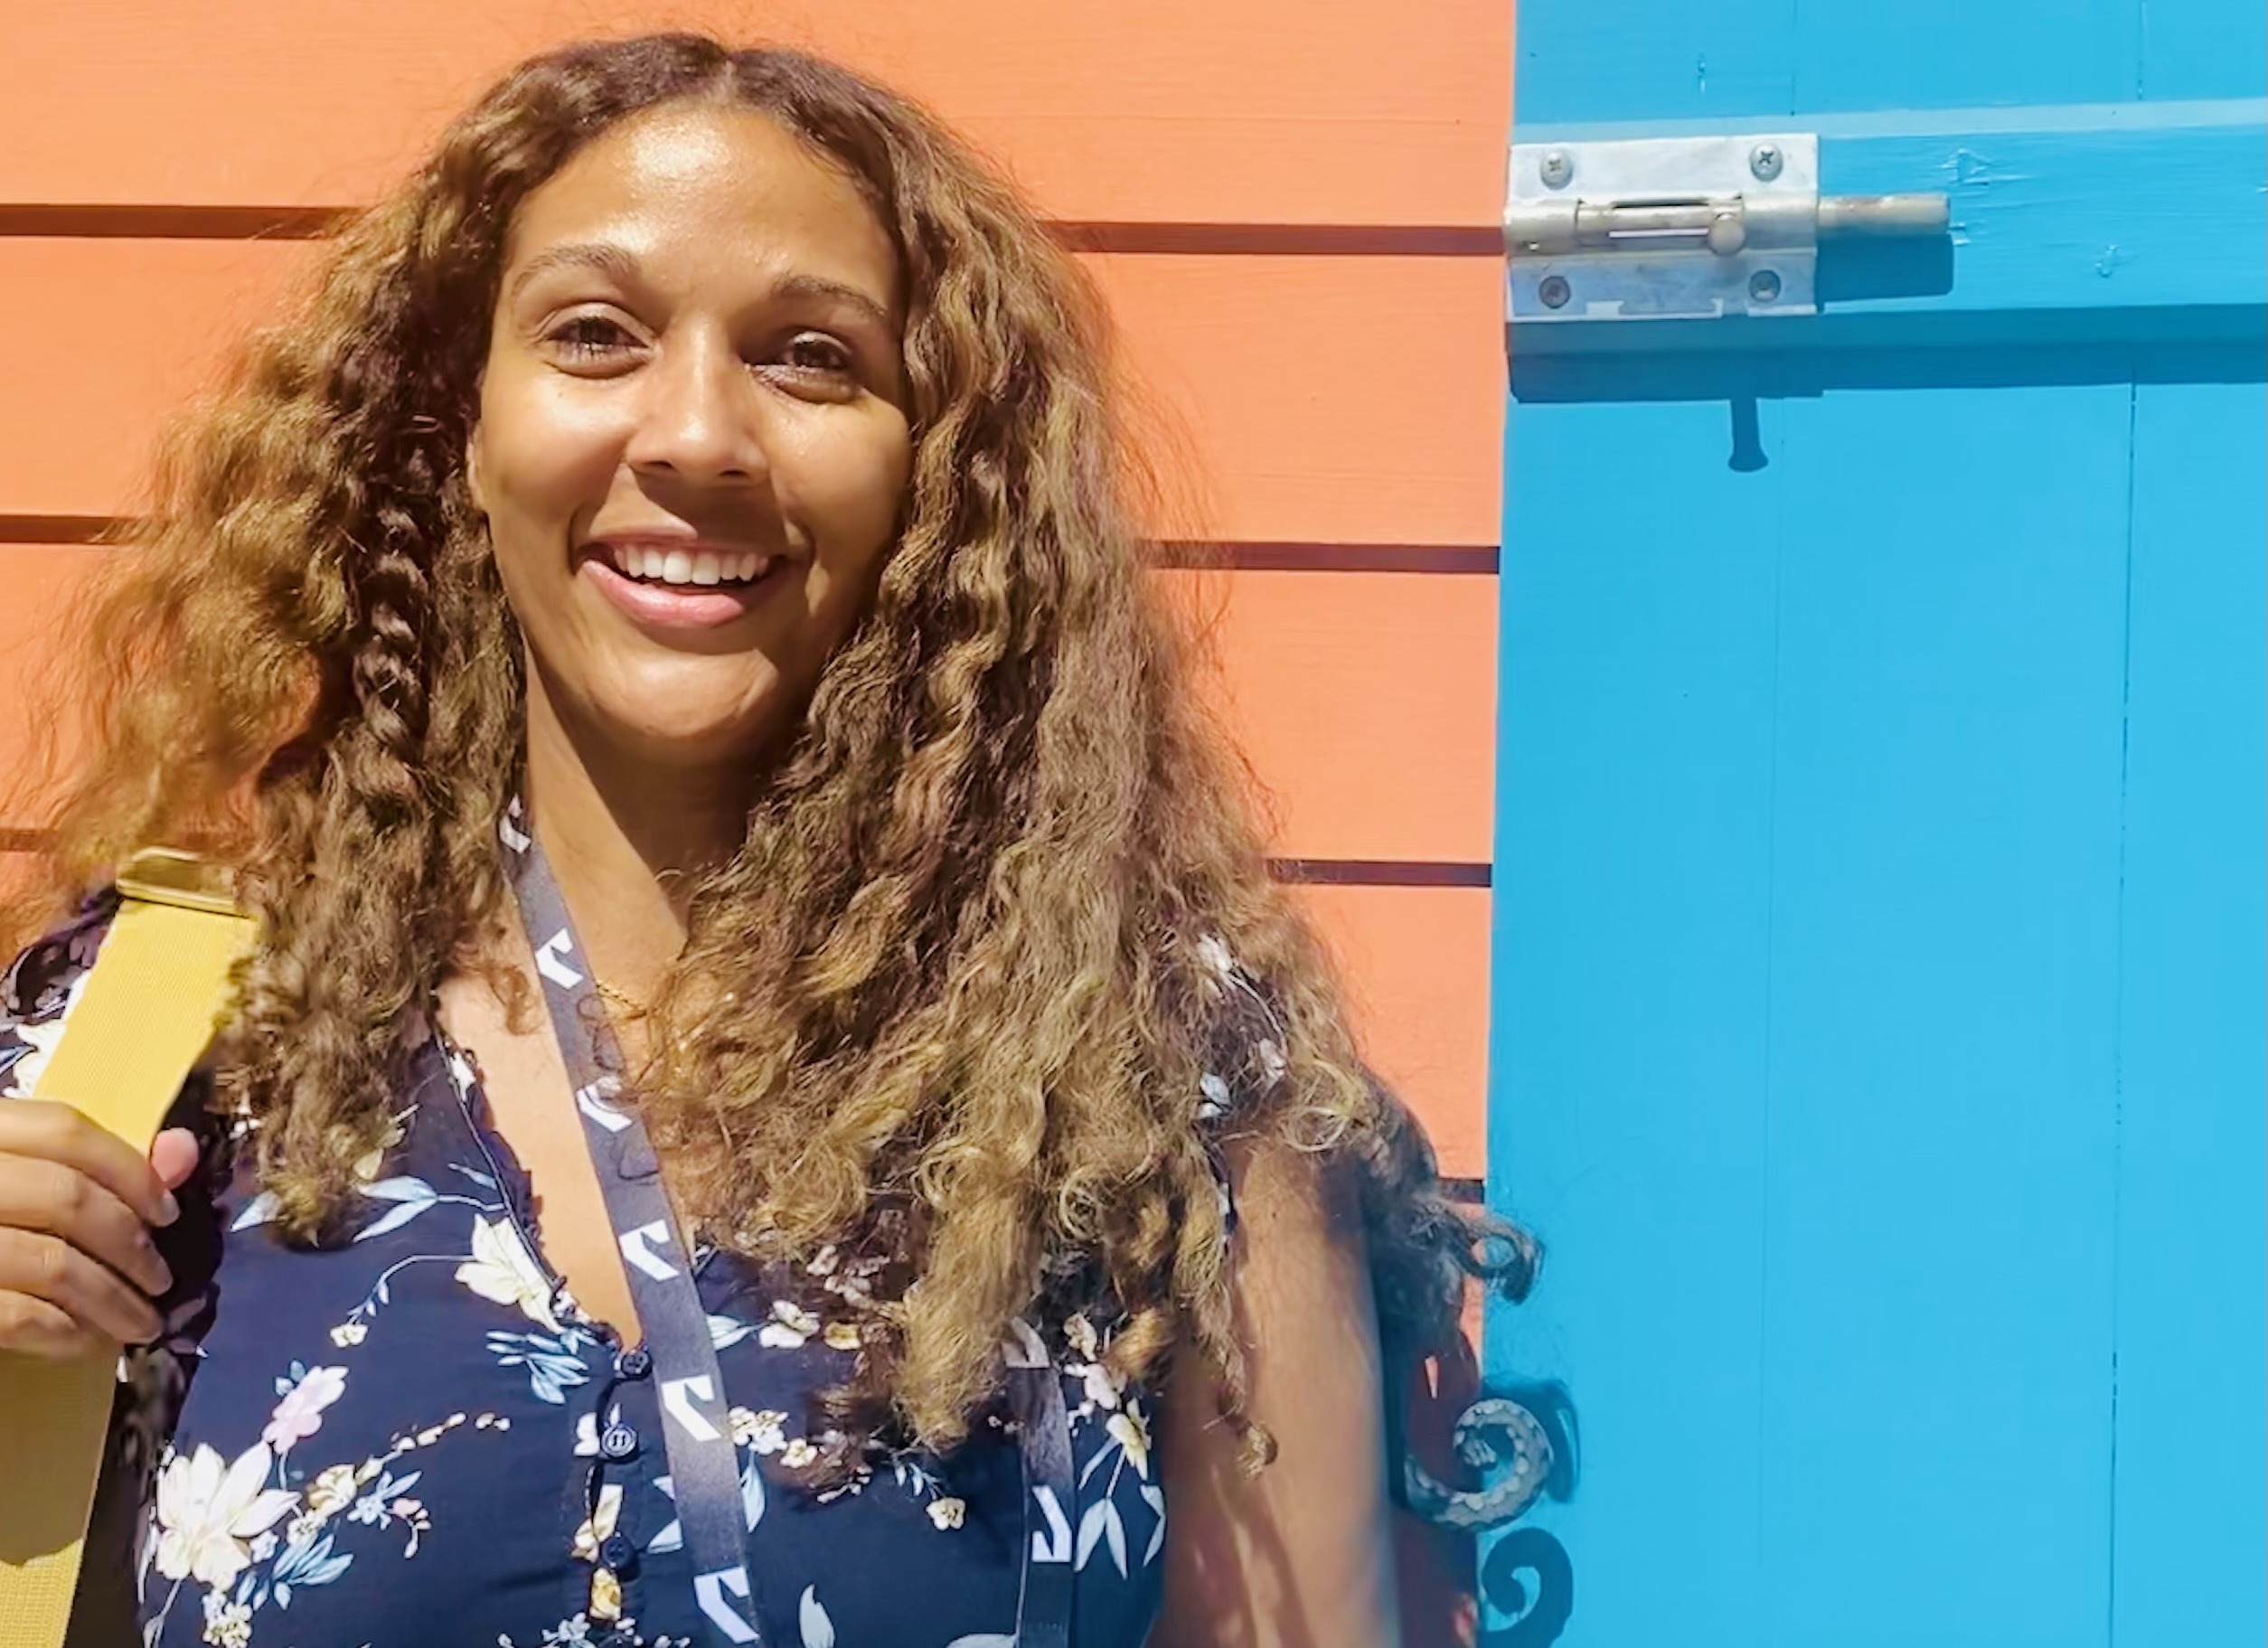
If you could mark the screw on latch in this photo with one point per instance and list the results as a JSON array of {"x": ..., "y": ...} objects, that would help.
[
  {"x": 1554, "y": 291},
  {"x": 1763, "y": 285},
  {"x": 1557, "y": 167},
  {"x": 1765, "y": 161}
]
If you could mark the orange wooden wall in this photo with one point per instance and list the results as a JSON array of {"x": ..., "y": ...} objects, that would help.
[{"x": 1292, "y": 204}]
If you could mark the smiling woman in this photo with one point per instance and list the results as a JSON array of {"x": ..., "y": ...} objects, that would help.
[{"x": 773, "y": 1055}]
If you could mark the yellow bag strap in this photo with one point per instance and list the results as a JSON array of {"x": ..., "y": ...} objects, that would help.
[{"x": 158, "y": 990}]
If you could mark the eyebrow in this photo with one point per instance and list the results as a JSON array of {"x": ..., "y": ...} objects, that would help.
[
  {"x": 622, "y": 265},
  {"x": 611, "y": 261}
]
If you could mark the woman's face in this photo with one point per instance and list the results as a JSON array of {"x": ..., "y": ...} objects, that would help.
[{"x": 691, "y": 442}]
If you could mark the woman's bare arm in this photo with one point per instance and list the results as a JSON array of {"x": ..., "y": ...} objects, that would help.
[{"x": 1300, "y": 1556}]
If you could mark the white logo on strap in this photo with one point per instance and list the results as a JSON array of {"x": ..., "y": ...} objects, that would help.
[
  {"x": 1053, "y": 1544},
  {"x": 677, "y": 1395},
  {"x": 508, "y": 830},
  {"x": 637, "y": 1247},
  {"x": 551, "y": 960},
  {"x": 591, "y": 1100},
  {"x": 711, "y": 1589}
]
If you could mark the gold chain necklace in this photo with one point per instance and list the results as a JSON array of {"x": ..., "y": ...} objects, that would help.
[{"x": 637, "y": 1007}]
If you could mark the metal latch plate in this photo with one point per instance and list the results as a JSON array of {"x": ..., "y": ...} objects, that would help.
[{"x": 1664, "y": 265}]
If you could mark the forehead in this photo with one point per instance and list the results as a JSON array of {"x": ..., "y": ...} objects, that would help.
[{"x": 698, "y": 192}]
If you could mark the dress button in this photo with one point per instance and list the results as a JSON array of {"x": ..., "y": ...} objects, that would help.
[
  {"x": 617, "y": 1442},
  {"x": 617, "y": 1552},
  {"x": 635, "y": 1362}
]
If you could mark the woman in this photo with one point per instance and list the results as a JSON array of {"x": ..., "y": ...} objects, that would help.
[{"x": 776, "y": 1098}]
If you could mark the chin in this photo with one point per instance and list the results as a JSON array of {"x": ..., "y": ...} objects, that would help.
[{"x": 678, "y": 748}]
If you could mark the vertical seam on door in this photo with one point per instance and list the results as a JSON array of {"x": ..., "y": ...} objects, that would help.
[{"x": 2118, "y": 1002}]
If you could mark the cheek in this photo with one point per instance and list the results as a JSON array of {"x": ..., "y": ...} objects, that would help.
[
  {"x": 851, "y": 498},
  {"x": 543, "y": 457}
]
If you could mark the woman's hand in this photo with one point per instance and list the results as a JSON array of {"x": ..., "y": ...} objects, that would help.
[{"x": 78, "y": 1269}]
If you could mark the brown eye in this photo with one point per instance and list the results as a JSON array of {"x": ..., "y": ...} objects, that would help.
[
  {"x": 816, "y": 351},
  {"x": 587, "y": 335}
]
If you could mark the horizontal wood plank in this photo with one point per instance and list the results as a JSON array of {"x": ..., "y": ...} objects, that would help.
[
  {"x": 1260, "y": 111},
  {"x": 1363, "y": 701},
  {"x": 1345, "y": 400},
  {"x": 1414, "y": 961}
]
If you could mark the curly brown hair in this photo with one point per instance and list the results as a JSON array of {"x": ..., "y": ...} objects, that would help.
[{"x": 962, "y": 970}]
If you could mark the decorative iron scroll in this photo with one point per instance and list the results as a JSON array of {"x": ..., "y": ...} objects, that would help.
[
  {"x": 1527, "y": 1575},
  {"x": 1484, "y": 1432}
]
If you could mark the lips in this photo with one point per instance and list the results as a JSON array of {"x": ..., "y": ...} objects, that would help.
[{"x": 682, "y": 584}]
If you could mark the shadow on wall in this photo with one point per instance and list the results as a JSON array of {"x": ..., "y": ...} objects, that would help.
[{"x": 1744, "y": 360}]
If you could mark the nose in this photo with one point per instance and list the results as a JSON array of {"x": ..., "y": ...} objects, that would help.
[{"x": 699, "y": 416}]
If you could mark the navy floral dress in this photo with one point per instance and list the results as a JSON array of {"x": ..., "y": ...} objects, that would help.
[{"x": 417, "y": 1438}]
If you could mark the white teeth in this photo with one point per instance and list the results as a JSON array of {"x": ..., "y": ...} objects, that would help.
[{"x": 701, "y": 567}]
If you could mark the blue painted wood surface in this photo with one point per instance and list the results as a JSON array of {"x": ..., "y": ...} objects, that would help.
[
  {"x": 1671, "y": 59},
  {"x": 2190, "y": 1278},
  {"x": 1878, "y": 969}
]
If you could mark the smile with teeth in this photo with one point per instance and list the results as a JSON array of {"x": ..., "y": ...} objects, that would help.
[{"x": 651, "y": 564}]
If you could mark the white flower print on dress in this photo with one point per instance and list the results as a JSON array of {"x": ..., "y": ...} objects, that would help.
[
  {"x": 332, "y": 1492},
  {"x": 1121, "y": 1460},
  {"x": 227, "y": 1624},
  {"x": 1079, "y": 1333},
  {"x": 818, "y": 1630},
  {"x": 1131, "y": 1431},
  {"x": 207, "y": 1511},
  {"x": 599, "y": 1525},
  {"x": 789, "y": 1327},
  {"x": 1103, "y": 1386},
  {"x": 575, "y": 1632},
  {"x": 503, "y": 1269},
  {"x": 762, "y": 1430}
]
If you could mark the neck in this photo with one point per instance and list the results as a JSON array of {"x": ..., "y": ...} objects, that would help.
[{"x": 628, "y": 839}]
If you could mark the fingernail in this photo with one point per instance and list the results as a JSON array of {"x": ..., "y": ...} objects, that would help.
[{"x": 168, "y": 1209}]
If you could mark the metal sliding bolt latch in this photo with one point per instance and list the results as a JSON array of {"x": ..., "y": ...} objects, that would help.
[{"x": 1682, "y": 227}]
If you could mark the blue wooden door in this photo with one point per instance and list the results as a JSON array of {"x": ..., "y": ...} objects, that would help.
[{"x": 1878, "y": 956}]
